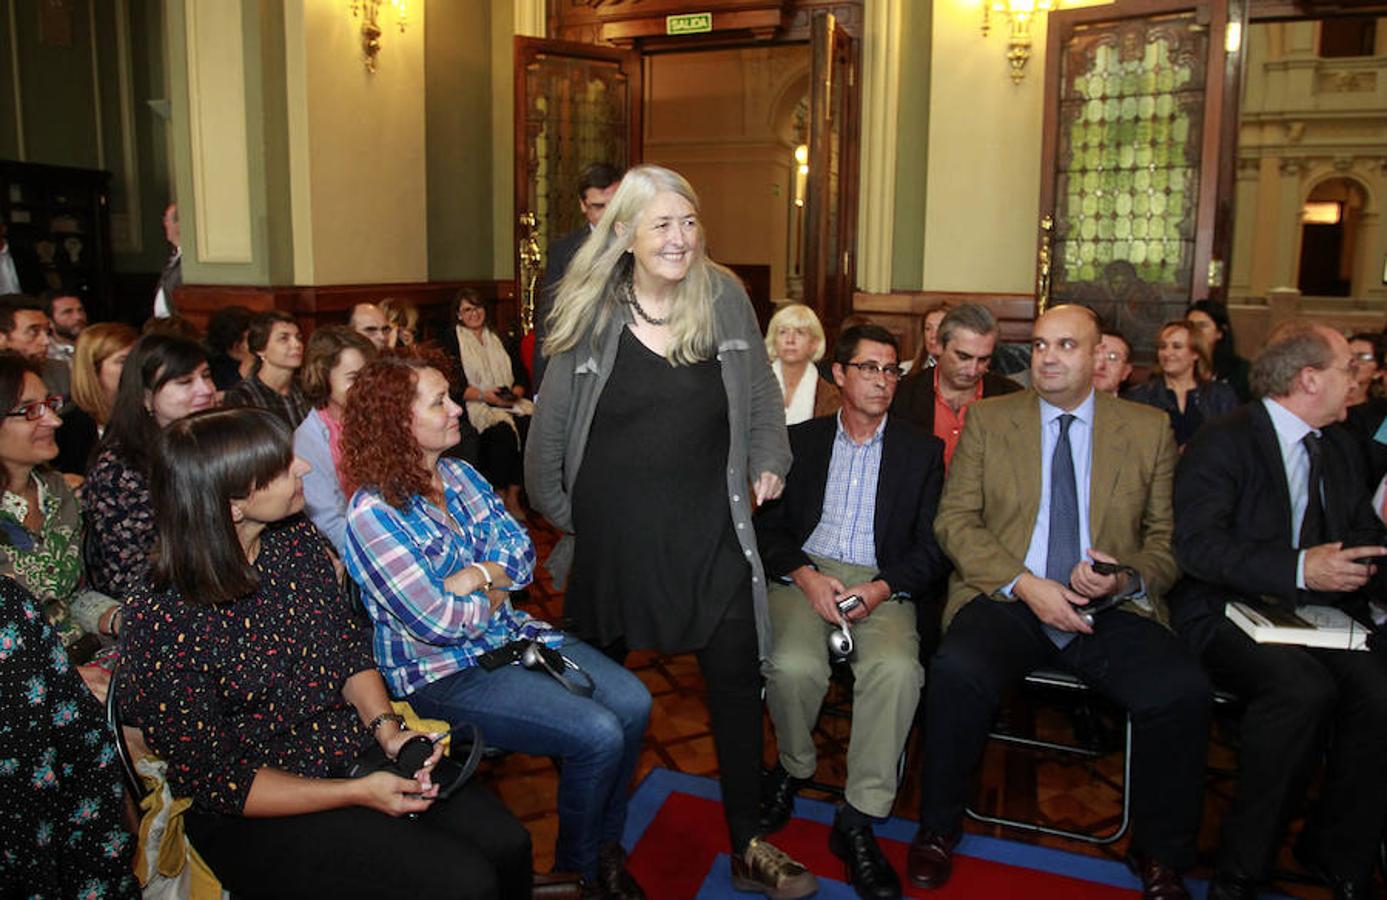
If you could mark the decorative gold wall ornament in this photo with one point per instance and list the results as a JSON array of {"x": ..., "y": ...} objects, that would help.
[
  {"x": 1043, "y": 264},
  {"x": 531, "y": 267},
  {"x": 368, "y": 11},
  {"x": 1022, "y": 15}
]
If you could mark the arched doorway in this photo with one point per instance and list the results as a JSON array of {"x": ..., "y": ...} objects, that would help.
[{"x": 1331, "y": 238}]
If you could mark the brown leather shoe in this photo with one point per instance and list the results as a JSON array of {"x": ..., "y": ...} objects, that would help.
[
  {"x": 931, "y": 859},
  {"x": 1158, "y": 880}
]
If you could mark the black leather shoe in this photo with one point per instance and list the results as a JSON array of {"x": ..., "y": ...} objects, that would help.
[
  {"x": 868, "y": 871},
  {"x": 778, "y": 790},
  {"x": 1158, "y": 880},
  {"x": 1226, "y": 886},
  {"x": 612, "y": 875},
  {"x": 931, "y": 859},
  {"x": 1343, "y": 888}
]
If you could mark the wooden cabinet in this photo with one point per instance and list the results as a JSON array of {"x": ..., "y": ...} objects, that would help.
[{"x": 59, "y": 230}]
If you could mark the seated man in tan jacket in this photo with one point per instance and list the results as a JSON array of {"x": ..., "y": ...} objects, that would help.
[{"x": 1045, "y": 484}]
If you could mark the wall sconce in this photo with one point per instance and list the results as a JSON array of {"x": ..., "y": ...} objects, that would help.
[
  {"x": 1022, "y": 15},
  {"x": 369, "y": 13},
  {"x": 801, "y": 172}
]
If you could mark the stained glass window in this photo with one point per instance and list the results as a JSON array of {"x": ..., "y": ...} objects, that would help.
[{"x": 1131, "y": 107}]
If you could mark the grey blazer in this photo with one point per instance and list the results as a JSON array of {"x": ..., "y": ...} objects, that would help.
[{"x": 573, "y": 383}]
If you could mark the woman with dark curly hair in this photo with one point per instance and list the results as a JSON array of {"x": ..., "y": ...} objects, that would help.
[{"x": 436, "y": 555}]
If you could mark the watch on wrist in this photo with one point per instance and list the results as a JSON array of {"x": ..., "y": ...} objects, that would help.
[{"x": 374, "y": 725}]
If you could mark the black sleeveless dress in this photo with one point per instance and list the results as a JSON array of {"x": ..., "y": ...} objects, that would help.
[{"x": 656, "y": 558}]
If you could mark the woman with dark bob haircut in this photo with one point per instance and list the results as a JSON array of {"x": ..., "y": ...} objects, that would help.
[
  {"x": 248, "y": 673},
  {"x": 164, "y": 379},
  {"x": 436, "y": 554}
]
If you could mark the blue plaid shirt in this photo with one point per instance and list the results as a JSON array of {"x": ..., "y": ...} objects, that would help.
[
  {"x": 847, "y": 528},
  {"x": 424, "y": 632}
]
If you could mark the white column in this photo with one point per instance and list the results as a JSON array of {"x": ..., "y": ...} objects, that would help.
[{"x": 881, "y": 54}]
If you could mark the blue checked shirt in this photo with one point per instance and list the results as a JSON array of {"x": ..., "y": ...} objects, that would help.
[
  {"x": 847, "y": 528},
  {"x": 400, "y": 558}
]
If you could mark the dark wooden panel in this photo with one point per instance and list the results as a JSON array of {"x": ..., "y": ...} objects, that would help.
[{"x": 330, "y": 304}]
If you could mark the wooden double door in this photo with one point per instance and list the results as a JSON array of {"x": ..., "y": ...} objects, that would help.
[{"x": 578, "y": 103}]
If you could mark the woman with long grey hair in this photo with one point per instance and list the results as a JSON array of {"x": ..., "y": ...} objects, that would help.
[{"x": 659, "y": 426}]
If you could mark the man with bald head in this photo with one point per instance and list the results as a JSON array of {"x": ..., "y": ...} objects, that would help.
[
  {"x": 1044, "y": 484},
  {"x": 368, "y": 320},
  {"x": 1274, "y": 506}
]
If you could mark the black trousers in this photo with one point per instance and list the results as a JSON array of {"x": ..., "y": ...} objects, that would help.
[
  {"x": 500, "y": 455},
  {"x": 991, "y": 645},
  {"x": 1297, "y": 700},
  {"x": 731, "y": 667},
  {"x": 468, "y": 846}
]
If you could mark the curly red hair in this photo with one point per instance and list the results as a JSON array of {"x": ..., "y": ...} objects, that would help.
[{"x": 378, "y": 446}]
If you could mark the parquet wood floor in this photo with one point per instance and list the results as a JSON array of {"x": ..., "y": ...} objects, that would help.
[{"x": 1084, "y": 797}]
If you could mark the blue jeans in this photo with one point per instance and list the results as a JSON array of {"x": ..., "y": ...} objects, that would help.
[{"x": 598, "y": 738}]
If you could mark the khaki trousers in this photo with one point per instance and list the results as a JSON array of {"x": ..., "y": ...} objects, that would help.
[{"x": 887, "y": 682}]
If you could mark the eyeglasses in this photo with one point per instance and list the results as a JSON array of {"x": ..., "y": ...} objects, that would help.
[
  {"x": 871, "y": 369},
  {"x": 1365, "y": 356},
  {"x": 34, "y": 409},
  {"x": 1113, "y": 356}
]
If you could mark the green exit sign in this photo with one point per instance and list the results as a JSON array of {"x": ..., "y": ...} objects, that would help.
[{"x": 689, "y": 23}]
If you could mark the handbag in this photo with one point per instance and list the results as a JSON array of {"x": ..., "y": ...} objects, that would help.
[{"x": 449, "y": 774}]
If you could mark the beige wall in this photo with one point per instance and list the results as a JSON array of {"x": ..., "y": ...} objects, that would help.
[
  {"x": 984, "y": 157},
  {"x": 723, "y": 119},
  {"x": 363, "y": 154}
]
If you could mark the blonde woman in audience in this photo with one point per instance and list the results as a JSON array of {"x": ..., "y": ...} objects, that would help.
[
  {"x": 97, "y": 362},
  {"x": 660, "y": 427},
  {"x": 1184, "y": 384},
  {"x": 334, "y": 356},
  {"x": 928, "y": 353},
  {"x": 795, "y": 342},
  {"x": 403, "y": 317}
]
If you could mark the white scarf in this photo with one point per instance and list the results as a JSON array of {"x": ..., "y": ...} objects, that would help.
[
  {"x": 487, "y": 365},
  {"x": 801, "y": 406}
]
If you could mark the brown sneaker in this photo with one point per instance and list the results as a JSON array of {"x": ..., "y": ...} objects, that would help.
[{"x": 766, "y": 869}]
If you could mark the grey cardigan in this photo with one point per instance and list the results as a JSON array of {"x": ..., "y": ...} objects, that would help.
[{"x": 573, "y": 382}]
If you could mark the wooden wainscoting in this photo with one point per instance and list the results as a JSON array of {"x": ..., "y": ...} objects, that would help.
[
  {"x": 902, "y": 313},
  {"x": 330, "y": 304}
]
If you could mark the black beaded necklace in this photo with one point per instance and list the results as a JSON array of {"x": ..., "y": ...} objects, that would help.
[{"x": 629, "y": 289}]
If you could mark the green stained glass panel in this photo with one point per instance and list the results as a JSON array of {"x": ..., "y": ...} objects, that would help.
[{"x": 1131, "y": 104}]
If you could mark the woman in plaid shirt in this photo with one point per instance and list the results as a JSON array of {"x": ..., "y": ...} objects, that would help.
[{"x": 436, "y": 555}]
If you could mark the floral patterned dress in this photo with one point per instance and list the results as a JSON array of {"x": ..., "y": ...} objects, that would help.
[
  {"x": 61, "y": 828},
  {"x": 48, "y": 564},
  {"x": 120, "y": 513}
]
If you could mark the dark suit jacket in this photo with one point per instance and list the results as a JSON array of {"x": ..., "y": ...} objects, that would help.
[
  {"x": 908, "y": 486},
  {"x": 556, "y": 263},
  {"x": 1362, "y": 422},
  {"x": 1233, "y": 518},
  {"x": 915, "y": 397}
]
